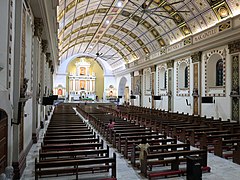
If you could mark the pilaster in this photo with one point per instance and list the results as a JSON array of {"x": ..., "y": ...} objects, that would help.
[{"x": 153, "y": 72}]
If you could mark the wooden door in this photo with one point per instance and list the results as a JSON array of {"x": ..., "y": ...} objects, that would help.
[{"x": 3, "y": 141}]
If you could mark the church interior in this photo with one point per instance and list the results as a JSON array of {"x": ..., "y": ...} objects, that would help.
[{"x": 120, "y": 89}]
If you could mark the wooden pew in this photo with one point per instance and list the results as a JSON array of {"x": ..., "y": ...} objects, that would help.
[
  {"x": 67, "y": 147},
  {"x": 196, "y": 134},
  {"x": 133, "y": 133},
  {"x": 70, "y": 141},
  {"x": 135, "y": 151},
  {"x": 126, "y": 142},
  {"x": 75, "y": 166},
  {"x": 206, "y": 139},
  {"x": 236, "y": 154},
  {"x": 173, "y": 157},
  {"x": 224, "y": 144},
  {"x": 73, "y": 154}
]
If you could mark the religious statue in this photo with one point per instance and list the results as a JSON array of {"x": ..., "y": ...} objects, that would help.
[
  {"x": 137, "y": 87},
  {"x": 24, "y": 88}
]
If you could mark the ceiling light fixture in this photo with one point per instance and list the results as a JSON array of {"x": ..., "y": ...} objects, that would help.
[{"x": 119, "y": 4}]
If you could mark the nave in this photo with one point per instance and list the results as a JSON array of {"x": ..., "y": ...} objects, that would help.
[{"x": 220, "y": 168}]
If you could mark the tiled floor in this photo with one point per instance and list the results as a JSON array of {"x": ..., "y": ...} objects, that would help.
[{"x": 221, "y": 169}]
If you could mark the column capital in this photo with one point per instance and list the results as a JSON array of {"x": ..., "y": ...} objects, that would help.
[
  {"x": 234, "y": 47},
  {"x": 170, "y": 64},
  {"x": 196, "y": 57},
  {"x": 140, "y": 72},
  {"x": 131, "y": 74},
  {"x": 38, "y": 27},
  {"x": 44, "y": 46},
  {"x": 153, "y": 68}
]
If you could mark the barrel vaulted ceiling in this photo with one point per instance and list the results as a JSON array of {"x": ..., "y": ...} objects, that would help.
[{"x": 121, "y": 31}]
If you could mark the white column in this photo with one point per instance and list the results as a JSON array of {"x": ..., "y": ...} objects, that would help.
[
  {"x": 91, "y": 86},
  {"x": 74, "y": 84}
]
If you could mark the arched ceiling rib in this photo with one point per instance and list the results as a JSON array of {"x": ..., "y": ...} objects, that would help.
[
  {"x": 133, "y": 36},
  {"x": 85, "y": 23},
  {"x": 79, "y": 38}
]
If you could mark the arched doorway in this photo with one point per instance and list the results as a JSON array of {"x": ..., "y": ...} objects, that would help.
[
  {"x": 123, "y": 91},
  {"x": 3, "y": 140}
]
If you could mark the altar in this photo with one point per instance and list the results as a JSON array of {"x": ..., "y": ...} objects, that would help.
[{"x": 82, "y": 83}]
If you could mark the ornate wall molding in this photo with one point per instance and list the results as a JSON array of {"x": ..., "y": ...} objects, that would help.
[
  {"x": 234, "y": 47},
  {"x": 182, "y": 91},
  {"x": 38, "y": 27},
  {"x": 196, "y": 57},
  {"x": 48, "y": 55},
  {"x": 215, "y": 91},
  {"x": 44, "y": 46},
  {"x": 153, "y": 69},
  {"x": 170, "y": 64}
]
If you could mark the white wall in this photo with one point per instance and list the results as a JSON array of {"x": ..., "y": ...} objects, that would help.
[
  {"x": 109, "y": 80},
  {"x": 59, "y": 79},
  {"x": 162, "y": 104},
  {"x": 147, "y": 101}
]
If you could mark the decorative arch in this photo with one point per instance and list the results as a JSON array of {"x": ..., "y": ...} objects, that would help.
[
  {"x": 215, "y": 76},
  {"x": 183, "y": 77},
  {"x": 64, "y": 65},
  {"x": 121, "y": 86},
  {"x": 163, "y": 78},
  {"x": 147, "y": 81}
]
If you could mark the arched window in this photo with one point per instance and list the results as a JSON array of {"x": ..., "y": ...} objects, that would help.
[
  {"x": 186, "y": 77},
  {"x": 165, "y": 80},
  {"x": 219, "y": 73},
  {"x": 183, "y": 76}
]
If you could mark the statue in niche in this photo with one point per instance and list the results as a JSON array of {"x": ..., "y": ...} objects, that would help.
[
  {"x": 24, "y": 88},
  {"x": 137, "y": 87}
]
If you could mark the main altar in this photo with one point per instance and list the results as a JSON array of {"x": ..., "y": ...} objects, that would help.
[{"x": 82, "y": 83}]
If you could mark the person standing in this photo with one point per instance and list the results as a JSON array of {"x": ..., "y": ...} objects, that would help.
[{"x": 143, "y": 147}]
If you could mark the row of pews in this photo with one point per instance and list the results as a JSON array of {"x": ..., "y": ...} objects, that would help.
[
  {"x": 220, "y": 137},
  {"x": 165, "y": 155},
  {"x": 70, "y": 147}
]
